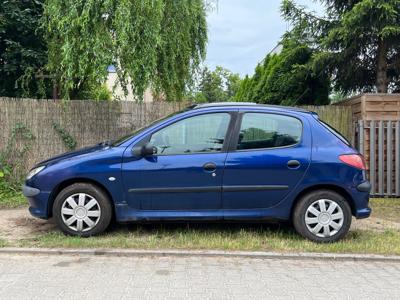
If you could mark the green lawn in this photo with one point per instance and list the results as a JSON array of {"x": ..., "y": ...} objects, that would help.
[{"x": 12, "y": 199}]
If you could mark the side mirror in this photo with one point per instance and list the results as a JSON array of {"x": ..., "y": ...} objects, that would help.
[{"x": 146, "y": 150}]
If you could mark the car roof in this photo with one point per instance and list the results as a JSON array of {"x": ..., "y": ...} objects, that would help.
[{"x": 247, "y": 104}]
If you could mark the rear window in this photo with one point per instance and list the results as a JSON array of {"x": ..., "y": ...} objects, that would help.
[{"x": 335, "y": 132}]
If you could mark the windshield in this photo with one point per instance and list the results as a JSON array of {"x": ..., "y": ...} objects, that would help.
[{"x": 123, "y": 139}]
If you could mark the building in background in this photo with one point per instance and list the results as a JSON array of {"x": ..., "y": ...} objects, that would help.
[{"x": 118, "y": 92}]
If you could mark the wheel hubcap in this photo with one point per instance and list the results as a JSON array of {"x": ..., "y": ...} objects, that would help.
[
  {"x": 324, "y": 218},
  {"x": 80, "y": 212}
]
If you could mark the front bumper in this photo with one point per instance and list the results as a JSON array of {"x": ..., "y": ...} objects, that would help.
[{"x": 38, "y": 201}]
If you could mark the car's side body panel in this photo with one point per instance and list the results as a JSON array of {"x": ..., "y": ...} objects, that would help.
[
  {"x": 261, "y": 178},
  {"x": 176, "y": 182},
  {"x": 104, "y": 164}
]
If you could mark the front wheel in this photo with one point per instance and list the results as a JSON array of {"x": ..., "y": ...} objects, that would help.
[
  {"x": 82, "y": 209},
  {"x": 322, "y": 216}
]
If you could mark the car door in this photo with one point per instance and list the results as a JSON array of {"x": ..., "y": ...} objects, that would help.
[
  {"x": 268, "y": 157},
  {"x": 186, "y": 173}
]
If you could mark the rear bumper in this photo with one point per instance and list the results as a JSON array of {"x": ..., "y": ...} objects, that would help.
[
  {"x": 38, "y": 201},
  {"x": 360, "y": 195},
  {"x": 363, "y": 213},
  {"x": 364, "y": 187}
]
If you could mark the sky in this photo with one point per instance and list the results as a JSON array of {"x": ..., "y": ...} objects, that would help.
[{"x": 242, "y": 32}]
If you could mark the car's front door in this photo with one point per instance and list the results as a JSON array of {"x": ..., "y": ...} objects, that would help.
[
  {"x": 186, "y": 173},
  {"x": 269, "y": 157}
]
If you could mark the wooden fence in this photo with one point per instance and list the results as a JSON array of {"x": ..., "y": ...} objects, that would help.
[
  {"x": 379, "y": 142},
  {"x": 339, "y": 117},
  {"x": 89, "y": 122}
]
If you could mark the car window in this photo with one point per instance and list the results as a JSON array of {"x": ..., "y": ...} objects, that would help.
[
  {"x": 262, "y": 130},
  {"x": 198, "y": 134},
  {"x": 124, "y": 138}
]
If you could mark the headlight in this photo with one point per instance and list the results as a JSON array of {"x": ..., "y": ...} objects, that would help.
[{"x": 34, "y": 171}]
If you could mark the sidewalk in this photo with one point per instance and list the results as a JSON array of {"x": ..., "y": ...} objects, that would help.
[{"x": 90, "y": 277}]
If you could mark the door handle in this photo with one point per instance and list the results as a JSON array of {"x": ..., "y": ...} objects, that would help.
[
  {"x": 209, "y": 167},
  {"x": 293, "y": 164}
]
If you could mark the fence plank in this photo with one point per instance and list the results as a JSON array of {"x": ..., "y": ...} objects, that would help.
[
  {"x": 389, "y": 160},
  {"x": 372, "y": 156},
  {"x": 361, "y": 136},
  {"x": 380, "y": 157},
  {"x": 397, "y": 163}
]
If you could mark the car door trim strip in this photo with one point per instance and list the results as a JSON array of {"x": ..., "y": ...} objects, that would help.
[
  {"x": 209, "y": 189},
  {"x": 243, "y": 188}
]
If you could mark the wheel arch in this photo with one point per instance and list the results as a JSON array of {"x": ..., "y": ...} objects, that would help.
[
  {"x": 335, "y": 188},
  {"x": 71, "y": 181}
]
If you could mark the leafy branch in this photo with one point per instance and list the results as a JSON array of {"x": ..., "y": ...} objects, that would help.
[{"x": 68, "y": 140}]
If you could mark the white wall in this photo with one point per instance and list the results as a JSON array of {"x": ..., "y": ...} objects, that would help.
[{"x": 118, "y": 93}]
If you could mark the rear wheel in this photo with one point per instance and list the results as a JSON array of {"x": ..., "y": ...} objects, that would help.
[
  {"x": 82, "y": 209},
  {"x": 322, "y": 216}
]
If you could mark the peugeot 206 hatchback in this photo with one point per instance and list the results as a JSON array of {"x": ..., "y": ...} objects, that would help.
[{"x": 227, "y": 161}]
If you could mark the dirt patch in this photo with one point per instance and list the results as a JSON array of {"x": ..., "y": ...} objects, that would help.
[
  {"x": 18, "y": 224},
  {"x": 375, "y": 224}
]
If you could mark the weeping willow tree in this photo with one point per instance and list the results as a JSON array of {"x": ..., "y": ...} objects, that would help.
[{"x": 152, "y": 43}]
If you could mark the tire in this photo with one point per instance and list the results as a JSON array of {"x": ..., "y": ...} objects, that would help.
[
  {"x": 82, "y": 209},
  {"x": 322, "y": 210}
]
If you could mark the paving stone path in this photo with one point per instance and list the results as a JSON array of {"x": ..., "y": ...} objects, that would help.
[{"x": 91, "y": 277}]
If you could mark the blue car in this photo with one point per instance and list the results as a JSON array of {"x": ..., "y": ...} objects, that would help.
[{"x": 221, "y": 162}]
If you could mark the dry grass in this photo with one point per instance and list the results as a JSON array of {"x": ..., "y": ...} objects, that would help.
[
  {"x": 227, "y": 236},
  {"x": 386, "y": 208},
  {"x": 249, "y": 237}
]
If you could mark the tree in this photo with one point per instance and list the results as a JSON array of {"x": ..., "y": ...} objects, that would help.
[
  {"x": 23, "y": 50},
  {"x": 358, "y": 41},
  {"x": 152, "y": 43},
  {"x": 287, "y": 78},
  {"x": 220, "y": 85}
]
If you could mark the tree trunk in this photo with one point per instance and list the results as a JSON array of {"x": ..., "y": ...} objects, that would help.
[{"x": 382, "y": 81}]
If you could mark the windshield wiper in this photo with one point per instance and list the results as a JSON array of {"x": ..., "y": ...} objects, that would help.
[{"x": 105, "y": 143}]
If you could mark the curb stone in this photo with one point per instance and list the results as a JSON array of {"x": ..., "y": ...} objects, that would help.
[{"x": 200, "y": 253}]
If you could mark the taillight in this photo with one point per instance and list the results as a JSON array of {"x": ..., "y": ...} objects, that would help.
[{"x": 354, "y": 160}]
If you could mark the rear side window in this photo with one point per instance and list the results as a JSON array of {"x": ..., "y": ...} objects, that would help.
[{"x": 261, "y": 130}]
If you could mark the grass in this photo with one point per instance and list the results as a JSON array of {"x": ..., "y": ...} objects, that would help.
[
  {"x": 3, "y": 243},
  {"x": 226, "y": 236},
  {"x": 11, "y": 199},
  {"x": 251, "y": 237},
  {"x": 386, "y": 208}
]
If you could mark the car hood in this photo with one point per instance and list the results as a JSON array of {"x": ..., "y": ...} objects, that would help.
[{"x": 73, "y": 154}]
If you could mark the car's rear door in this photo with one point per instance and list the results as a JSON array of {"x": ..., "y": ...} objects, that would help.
[{"x": 268, "y": 157}]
